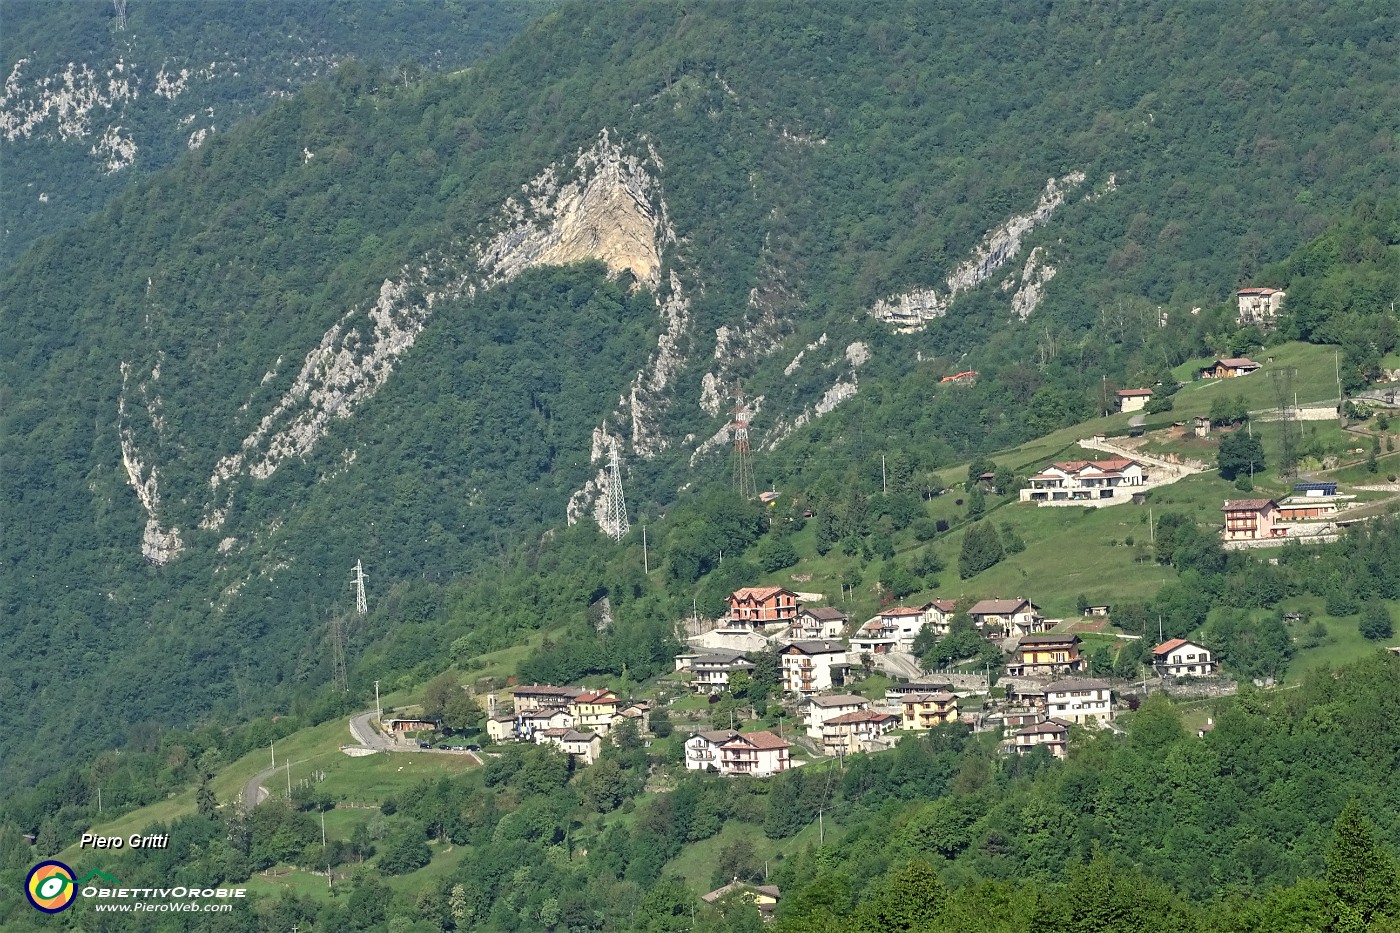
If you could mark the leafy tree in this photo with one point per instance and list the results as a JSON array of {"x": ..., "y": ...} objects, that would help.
[
  {"x": 981, "y": 548},
  {"x": 1376, "y": 623},
  {"x": 775, "y": 554},
  {"x": 439, "y": 692},
  {"x": 405, "y": 851},
  {"x": 1239, "y": 454},
  {"x": 1361, "y": 876}
]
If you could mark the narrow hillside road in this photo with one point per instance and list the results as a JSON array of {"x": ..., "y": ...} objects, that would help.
[
  {"x": 253, "y": 792},
  {"x": 899, "y": 664},
  {"x": 366, "y": 735},
  {"x": 1175, "y": 471}
]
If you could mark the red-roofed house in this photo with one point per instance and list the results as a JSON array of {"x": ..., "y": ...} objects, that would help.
[
  {"x": 843, "y": 735},
  {"x": 1182, "y": 658},
  {"x": 594, "y": 710},
  {"x": 1250, "y": 520},
  {"x": 1053, "y": 734},
  {"x": 583, "y": 746},
  {"x": 1133, "y": 399},
  {"x": 1084, "y": 480},
  {"x": 758, "y": 606}
]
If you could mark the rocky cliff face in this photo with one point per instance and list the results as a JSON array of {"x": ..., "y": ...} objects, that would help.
[{"x": 912, "y": 310}]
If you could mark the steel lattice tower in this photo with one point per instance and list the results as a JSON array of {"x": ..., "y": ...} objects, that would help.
[
  {"x": 361, "y": 605},
  {"x": 338, "y": 677},
  {"x": 743, "y": 460},
  {"x": 615, "y": 524}
]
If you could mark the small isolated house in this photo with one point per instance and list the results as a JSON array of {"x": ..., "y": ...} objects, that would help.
[
  {"x": 1259, "y": 306},
  {"x": 1229, "y": 369},
  {"x": 1133, "y": 399},
  {"x": 1182, "y": 658},
  {"x": 764, "y": 896}
]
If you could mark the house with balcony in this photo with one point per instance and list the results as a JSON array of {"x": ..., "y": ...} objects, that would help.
[
  {"x": 764, "y": 897},
  {"x": 1251, "y": 520},
  {"x": 1007, "y": 618},
  {"x": 760, "y": 607},
  {"x": 848, "y": 733},
  {"x": 1081, "y": 701},
  {"x": 594, "y": 710},
  {"x": 810, "y": 666},
  {"x": 758, "y": 754},
  {"x": 891, "y": 629},
  {"x": 711, "y": 671},
  {"x": 938, "y": 615},
  {"x": 1085, "y": 481},
  {"x": 926, "y": 710},
  {"x": 541, "y": 720},
  {"x": 1053, "y": 734},
  {"x": 818, "y": 709},
  {"x": 818, "y": 622},
  {"x": 1045, "y": 654},
  {"x": 1182, "y": 658},
  {"x": 543, "y": 696}
]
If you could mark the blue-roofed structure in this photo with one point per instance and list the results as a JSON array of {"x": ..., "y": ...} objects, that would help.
[{"x": 1315, "y": 489}]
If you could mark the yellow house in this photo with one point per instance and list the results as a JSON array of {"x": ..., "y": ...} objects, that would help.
[
  {"x": 926, "y": 710},
  {"x": 764, "y": 896},
  {"x": 1045, "y": 654},
  {"x": 594, "y": 710}
]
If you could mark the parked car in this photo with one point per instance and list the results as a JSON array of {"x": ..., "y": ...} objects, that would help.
[
  {"x": 425, "y": 745},
  {"x": 473, "y": 748},
  {"x": 443, "y": 746},
  {"x": 459, "y": 748}
]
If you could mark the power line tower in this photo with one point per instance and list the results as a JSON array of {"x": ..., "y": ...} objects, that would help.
[
  {"x": 743, "y": 460},
  {"x": 1287, "y": 414},
  {"x": 338, "y": 678},
  {"x": 615, "y": 524},
  {"x": 361, "y": 604}
]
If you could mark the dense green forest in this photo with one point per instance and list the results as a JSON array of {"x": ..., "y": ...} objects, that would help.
[
  {"x": 1234, "y": 135},
  {"x": 163, "y": 73}
]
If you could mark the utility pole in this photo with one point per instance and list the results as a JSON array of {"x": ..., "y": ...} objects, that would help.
[
  {"x": 289, "y": 779},
  {"x": 361, "y": 605},
  {"x": 323, "y": 830},
  {"x": 884, "y": 488},
  {"x": 378, "y": 713},
  {"x": 338, "y": 676},
  {"x": 821, "y": 829},
  {"x": 273, "y": 746},
  {"x": 99, "y": 801},
  {"x": 646, "y": 563}
]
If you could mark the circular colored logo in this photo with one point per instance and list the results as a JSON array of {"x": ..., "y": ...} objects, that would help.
[{"x": 50, "y": 887}]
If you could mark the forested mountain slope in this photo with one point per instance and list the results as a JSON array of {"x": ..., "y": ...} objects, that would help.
[
  {"x": 99, "y": 93},
  {"x": 403, "y": 323}
]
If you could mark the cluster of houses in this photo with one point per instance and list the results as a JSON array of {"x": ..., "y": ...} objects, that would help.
[{"x": 573, "y": 719}]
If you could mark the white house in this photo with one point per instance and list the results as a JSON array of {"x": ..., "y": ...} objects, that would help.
[
  {"x": 1082, "y": 701},
  {"x": 1182, "y": 658},
  {"x": 891, "y": 629},
  {"x": 1084, "y": 480},
  {"x": 938, "y": 615},
  {"x": 1012, "y": 617},
  {"x": 818, "y": 622},
  {"x": 822, "y": 708},
  {"x": 810, "y": 666},
  {"x": 728, "y": 752},
  {"x": 581, "y": 746},
  {"x": 712, "y": 670}
]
